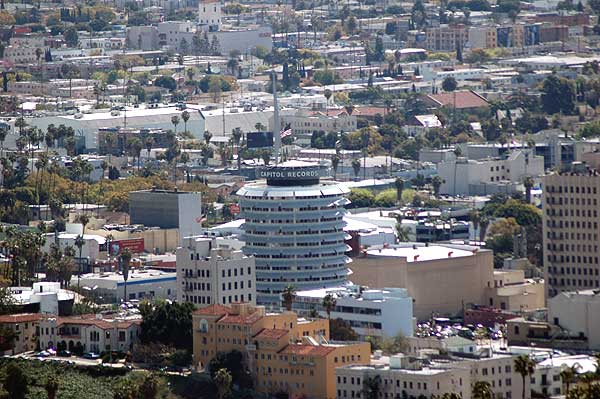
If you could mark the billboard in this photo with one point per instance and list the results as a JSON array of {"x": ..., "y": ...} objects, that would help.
[
  {"x": 135, "y": 245},
  {"x": 259, "y": 139}
]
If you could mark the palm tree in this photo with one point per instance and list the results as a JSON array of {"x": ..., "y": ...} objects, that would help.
[
  {"x": 148, "y": 143},
  {"x": 482, "y": 390},
  {"x": 288, "y": 294},
  {"x": 484, "y": 222},
  {"x": 568, "y": 376},
  {"x": 329, "y": 303},
  {"x": 222, "y": 380},
  {"x": 528, "y": 183},
  {"x": 399, "y": 184},
  {"x": 436, "y": 182},
  {"x": 104, "y": 167},
  {"x": 207, "y": 137},
  {"x": 175, "y": 122},
  {"x": 327, "y": 93},
  {"x": 475, "y": 217},
  {"x": 335, "y": 162},
  {"x": 185, "y": 116},
  {"x": 402, "y": 232},
  {"x": 525, "y": 366},
  {"x": 125, "y": 257},
  {"x": 79, "y": 241},
  {"x": 236, "y": 137},
  {"x": 356, "y": 166}
]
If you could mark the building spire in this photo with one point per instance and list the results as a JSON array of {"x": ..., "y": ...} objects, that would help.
[{"x": 276, "y": 126}]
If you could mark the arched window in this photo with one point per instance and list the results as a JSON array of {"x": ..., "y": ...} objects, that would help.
[{"x": 203, "y": 326}]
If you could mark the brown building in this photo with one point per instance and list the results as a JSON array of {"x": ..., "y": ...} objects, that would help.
[
  {"x": 446, "y": 279},
  {"x": 567, "y": 19},
  {"x": 571, "y": 227},
  {"x": 282, "y": 352},
  {"x": 554, "y": 34}
]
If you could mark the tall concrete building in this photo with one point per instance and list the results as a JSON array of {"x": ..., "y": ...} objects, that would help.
[
  {"x": 571, "y": 229},
  {"x": 209, "y": 273},
  {"x": 294, "y": 229},
  {"x": 167, "y": 210},
  {"x": 209, "y": 14}
]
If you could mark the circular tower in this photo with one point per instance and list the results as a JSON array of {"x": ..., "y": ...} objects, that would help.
[{"x": 295, "y": 230}]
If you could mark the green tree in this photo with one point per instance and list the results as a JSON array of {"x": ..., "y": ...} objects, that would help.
[
  {"x": 167, "y": 323},
  {"x": 371, "y": 387},
  {"x": 71, "y": 36},
  {"x": 340, "y": 330},
  {"x": 482, "y": 390},
  {"x": 15, "y": 381},
  {"x": 525, "y": 366},
  {"x": 449, "y": 84},
  {"x": 558, "y": 95}
]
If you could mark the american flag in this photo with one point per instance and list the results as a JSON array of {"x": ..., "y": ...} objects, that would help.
[{"x": 286, "y": 131}]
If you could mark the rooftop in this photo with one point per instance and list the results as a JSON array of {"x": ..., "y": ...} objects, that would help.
[{"x": 420, "y": 253}]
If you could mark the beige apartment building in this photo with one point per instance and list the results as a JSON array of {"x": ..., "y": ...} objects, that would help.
[
  {"x": 446, "y": 37},
  {"x": 444, "y": 279},
  {"x": 25, "y": 326},
  {"x": 571, "y": 229},
  {"x": 282, "y": 352}
]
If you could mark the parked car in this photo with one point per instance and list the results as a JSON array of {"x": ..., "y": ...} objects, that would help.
[
  {"x": 91, "y": 355},
  {"x": 65, "y": 353}
]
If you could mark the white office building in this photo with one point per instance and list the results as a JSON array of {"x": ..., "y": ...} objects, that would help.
[
  {"x": 489, "y": 176},
  {"x": 383, "y": 312},
  {"x": 210, "y": 271}
]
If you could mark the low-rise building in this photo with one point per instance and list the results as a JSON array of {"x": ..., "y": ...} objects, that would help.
[
  {"x": 110, "y": 287},
  {"x": 281, "y": 351},
  {"x": 577, "y": 312},
  {"x": 209, "y": 271},
  {"x": 304, "y": 123},
  {"x": 25, "y": 329},
  {"x": 89, "y": 333},
  {"x": 380, "y": 313}
]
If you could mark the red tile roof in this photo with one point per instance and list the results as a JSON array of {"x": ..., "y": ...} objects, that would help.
[
  {"x": 241, "y": 319},
  {"x": 20, "y": 318},
  {"x": 271, "y": 333},
  {"x": 464, "y": 99},
  {"x": 368, "y": 111},
  {"x": 310, "y": 350},
  {"x": 213, "y": 310},
  {"x": 104, "y": 324}
]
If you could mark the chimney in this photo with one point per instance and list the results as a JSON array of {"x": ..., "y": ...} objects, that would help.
[
  {"x": 415, "y": 258},
  {"x": 450, "y": 254}
]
